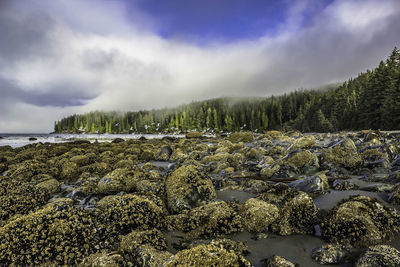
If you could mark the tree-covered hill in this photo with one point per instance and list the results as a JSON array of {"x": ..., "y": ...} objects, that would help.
[{"x": 369, "y": 101}]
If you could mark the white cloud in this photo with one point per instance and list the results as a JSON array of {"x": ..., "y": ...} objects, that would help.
[{"x": 92, "y": 54}]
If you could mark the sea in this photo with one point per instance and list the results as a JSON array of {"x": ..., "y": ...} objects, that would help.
[{"x": 17, "y": 140}]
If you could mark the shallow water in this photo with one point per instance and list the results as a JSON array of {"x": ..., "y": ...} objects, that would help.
[
  {"x": 18, "y": 140},
  {"x": 234, "y": 195}
]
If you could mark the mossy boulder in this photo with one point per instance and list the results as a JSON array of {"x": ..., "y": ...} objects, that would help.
[
  {"x": 70, "y": 171},
  {"x": 129, "y": 212},
  {"x": 380, "y": 255},
  {"x": 54, "y": 235},
  {"x": 191, "y": 135},
  {"x": 103, "y": 259},
  {"x": 272, "y": 134},
  {"x": 300, "y": 158},
  {"x": 360, "y": 221},
  {"x": 188, "y": 187},
  {"x": 245, "y": 137},
  {"x": 257, "y": 215},
  {"x": 51, "y": 186},
  {"x": 147, "y": 155},
  {"x": 213, "y": 219},
  {"x": 207, "y": 255},
  {"x": 82, "y": 160},
  {"x": 118, "y": 180},
  {"x": 297, "y": 211},
  {"x": 18, "y": 197},
  {"x": 27, "y": 169},
  {"x": 344, "y": 153}
]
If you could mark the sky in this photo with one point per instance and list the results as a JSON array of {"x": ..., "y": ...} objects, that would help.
[{"x": 64, "y": 57}]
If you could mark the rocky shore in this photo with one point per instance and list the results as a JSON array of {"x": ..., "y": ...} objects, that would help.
[{"x": 272, "y": 199}]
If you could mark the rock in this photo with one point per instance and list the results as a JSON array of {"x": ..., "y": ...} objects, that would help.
[
  {"x": 393, "y": 178},
  {"x": 278, "y": 261},
  {"x": 148, "y": 256},
  {"x": 117, "y": 181},
  {"x": 82, "y": 160},
  {"x": 134, "y": 240},
  {"x": 377, "y": 188},
  {"x": 51, "y": 186},
  {"x": 18, "y": 197},
  {"x": 300, "y": 159},
  {"x": 103, "y": 259},
  {"x": 193, "y": 135},
  {"x": 380, "y": 255},
  {"x": 344, "y": 153},
  {"x": 117, "y": 140},
  {"x": 207, "y": 255},
  {"x": 273, "y": 134},
  {"x": 130, "y": 212},
  {"x": 343, "y": 185},
  {"x": 313, "y": 185},
  {"x": 257, "y": 215},
  {"x": 188, "y": 187},
  {"x": 394, "y": 196},
  {"x": 164, "y": 153},
  {"x": 231, "y": 245},
  {"x": 213, "y": 219},
  {"x": 58, "y": 235},
  {"x": 360, "y": 221},
  {"x": 245, "y": 137},
  {"x": 70, "y": 171},
  {"x": 297, "y": 211},
  {"x": 329, "y": 254},
  {"x": 147, "y": 155},
  {"x": 32, "y": 139},
  {"x": 304, "y": 142}
]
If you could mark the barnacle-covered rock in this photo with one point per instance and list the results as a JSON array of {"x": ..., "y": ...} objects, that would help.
[
  {"x": 51, "y": 186},
  {"x": 132, "y": 241},
  {"x": 300, "y": 158},
  {"x": 61, "y": 235},
  {"x": 257, "y": 215},
  {"x": 360, "y": 221},
  {"x": 207, "y": 255},
  {"x": 129, "y": 212},
  {"x": 190, "y": 135},
  {"x": 297, "y": 211},
  {"x": 245, "y": 137},
  {"x": 26, "y": 170},
  {"x": 344, "y": 154},
  {"x": 188, "y": 187},
  {"x": 213, "y": 219},
  {"x": 18, "y": 197},
  {"x": 231, "y": 245},
  {"x": 278, "y": 261},
  {"x": 313, "y": 185},
  {"x": 82, "y": 160},
  {"x": 329, "y": 254},
  {"x": 103, "y": 259},
  {"x": 118, "y": 180},
  {"x": 394, "y": 196},
  {"x": 70, "y": 171},
  {"x": 380, "y": 255},
  {"x": 304, "y": 142},
  {"x": 148, "y": 256}
]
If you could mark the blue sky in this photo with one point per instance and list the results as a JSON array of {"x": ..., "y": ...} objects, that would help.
[{"x": 60, "y": 57}]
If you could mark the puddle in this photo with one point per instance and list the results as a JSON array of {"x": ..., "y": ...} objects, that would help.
[{"x": 234, "y": 195}]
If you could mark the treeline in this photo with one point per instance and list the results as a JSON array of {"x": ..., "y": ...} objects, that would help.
[{"x": 370, "y": 101}]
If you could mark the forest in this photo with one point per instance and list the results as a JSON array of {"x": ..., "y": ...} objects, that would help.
[{"x": 369, "y": 101}]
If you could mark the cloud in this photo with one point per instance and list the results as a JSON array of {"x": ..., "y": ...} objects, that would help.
[{"x": 64, "y": 57}]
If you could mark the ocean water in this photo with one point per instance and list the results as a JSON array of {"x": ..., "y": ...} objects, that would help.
[{"x": 18, "y": 140}]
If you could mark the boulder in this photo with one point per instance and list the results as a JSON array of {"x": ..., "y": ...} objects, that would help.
[
  {"x": 213, "y": 219},
  {"x": 380, "y": 255},
  {"x": 257, "y": 215},
  {"x": 278, "y": 261},
  {"x": 103, "y": 259},
  {"x": 329, "y": 254},
  {"x": 300, "y": 158},
  {"x": 191, "y": 135},
  {"x": 313, "y": 185},
  {"x": 344, "y": 153},
  {"x": 245, "y": 137},
  {"x": 207, "y": 255},
  {"x": 360, "y": 221},
  {"x": 297, "y": 211},
  {"x": 51, "y": 186},
  {"x": 188, "y": 187},
  {"x": 118, "y": 180}
]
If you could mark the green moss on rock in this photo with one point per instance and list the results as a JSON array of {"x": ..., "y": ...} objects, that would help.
[
  {"x": 300, "y": 159},
  {"x": 118, "y": 180},
  {"x": 344, "y": 154},
  {"x": 245, "y": 137},
  {"x": 380, "y": 255},
  {"x": 51, "y": 186}
]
